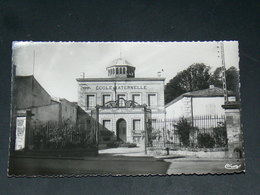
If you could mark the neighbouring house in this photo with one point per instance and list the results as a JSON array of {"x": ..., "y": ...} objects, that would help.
[
  {"x": 38, "y": 113},
  {"x": 198, "y": 103},
  {"x": 27, "y": 93},
  {"x": 30, "y": 96},
  {"x": 202, "y": 108}
]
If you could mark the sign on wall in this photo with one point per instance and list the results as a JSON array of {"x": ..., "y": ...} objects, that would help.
[
  {"x": 121, "y": 87},
  {"x": 20, "y": 133}
]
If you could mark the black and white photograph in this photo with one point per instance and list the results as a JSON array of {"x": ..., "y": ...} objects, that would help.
[{"x": 125, "y": 108}]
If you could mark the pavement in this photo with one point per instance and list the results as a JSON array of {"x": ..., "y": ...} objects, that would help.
[
  {"x": 204, "y": 166},
  {"x": 120, "y": 161},
  {"x": 123, "y": 151}
]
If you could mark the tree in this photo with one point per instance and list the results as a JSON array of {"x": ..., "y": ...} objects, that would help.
[
  {"x": 216, "y": 78},
  {"x": 195, "y": 77},
  {"x": 232, "y": 79}
]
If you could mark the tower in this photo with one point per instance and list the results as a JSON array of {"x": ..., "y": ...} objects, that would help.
[{"x": 121, "y": 68}]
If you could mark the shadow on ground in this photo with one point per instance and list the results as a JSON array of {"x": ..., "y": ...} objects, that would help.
[{"x": 103, "y": 164}]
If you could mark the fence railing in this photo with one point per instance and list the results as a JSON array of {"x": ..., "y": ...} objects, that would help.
[
  {"x": 201, "y": 131},
  {"x": 208, "y": 122},
  {"x": 51, "y": 134}
]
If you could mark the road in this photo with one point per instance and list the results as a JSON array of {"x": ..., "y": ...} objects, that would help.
[
  {"x": 103, "y": 164},
  {"x": 119, "y": 161}
]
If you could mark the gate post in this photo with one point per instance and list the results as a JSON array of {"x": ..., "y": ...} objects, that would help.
[
  {"x": 145, "y": 130},
  {"x": 97, "y": 124},
  {"x": 234, "y": 133}
]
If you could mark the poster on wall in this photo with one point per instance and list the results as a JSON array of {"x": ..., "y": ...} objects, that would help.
[{"x": 20, "y": 133}]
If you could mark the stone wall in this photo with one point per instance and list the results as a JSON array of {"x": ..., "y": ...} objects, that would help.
[{"x": 234, "y": 132}]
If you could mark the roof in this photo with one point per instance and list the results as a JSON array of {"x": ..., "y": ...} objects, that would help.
[
  {"x": 210, "y": 92},
  {"x": 21, "y": 79},
  {"x": 120, "y": 61},
  {"x": 120, "y": 79}
]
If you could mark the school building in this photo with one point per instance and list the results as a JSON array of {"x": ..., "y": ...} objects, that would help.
[{"x": 121, "y": 85}]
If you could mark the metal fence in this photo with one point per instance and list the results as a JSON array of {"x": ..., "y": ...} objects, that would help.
[
  {"x": 202, "y": 131},
  {"x": 208, "y": 122},
  {"x": 51, "y": 134}
]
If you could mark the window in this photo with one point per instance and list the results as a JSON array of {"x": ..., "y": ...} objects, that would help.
[
  {"x": 123, "y": 70},
  {"x": 106, "y": 98},
  {"x": 152, "y": 100},
  {"x": 107, "y": 124},
  {"x": 121, "y": 102},
  {"x": 137, "y": 124},
  {"x": 120, "y": 70},
  {"x": 116, "y": 70},
  {"x": 90, "y": 101},
  {"x": 136, "y": 98}
]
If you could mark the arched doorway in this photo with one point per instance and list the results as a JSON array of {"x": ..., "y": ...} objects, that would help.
[{"x": 121, "y": 130}]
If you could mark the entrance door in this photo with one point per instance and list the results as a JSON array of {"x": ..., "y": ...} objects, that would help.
[{"x": 121, "y": 130}]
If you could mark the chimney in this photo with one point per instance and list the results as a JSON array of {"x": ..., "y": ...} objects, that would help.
[
  {"x": 159, "y": 74},
  {"x": 211, "y": 86}
]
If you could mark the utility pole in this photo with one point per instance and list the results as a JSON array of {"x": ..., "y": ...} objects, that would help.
[
  {"x": 223, "y": 72},
  {"x": 33, "y": 79},
  {"x": 33, "y": 61}
]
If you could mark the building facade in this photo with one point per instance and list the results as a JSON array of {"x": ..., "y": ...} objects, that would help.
[
  {"x": 39, "y": 113},
  {"x": 127, "y": 123},
  {"x": 198, "y": 103}
]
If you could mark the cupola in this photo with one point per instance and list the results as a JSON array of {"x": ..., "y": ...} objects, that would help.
[{"x": 121, "y": 68}]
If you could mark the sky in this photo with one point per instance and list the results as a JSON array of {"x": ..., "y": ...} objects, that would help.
[{"x": 56, "y": 65}]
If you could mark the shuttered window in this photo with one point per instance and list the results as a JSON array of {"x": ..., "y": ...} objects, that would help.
[
  {"x": 137, "y": 98},
  {"x": 106, "y": 98},
  {"x": 90, "y": 101},
  {"x": 152, "y": 101},
  {"x": 137, "y": 124}
]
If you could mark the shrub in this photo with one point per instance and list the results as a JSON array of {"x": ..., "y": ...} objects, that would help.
[
  {"x": 205, "y": 140},
  {"x": 184, "y": 129},
  {"x": 113, "y": 144},
  {"x": 128, "y": 145},
  {"x": 220, "y": 135},
  {"x": 132, "y": 145}
]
